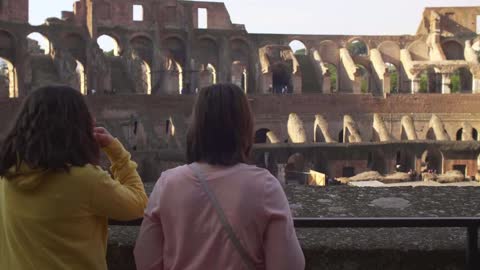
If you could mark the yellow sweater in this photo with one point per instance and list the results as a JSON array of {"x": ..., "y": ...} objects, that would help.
[{"x": 59, "y": 220}]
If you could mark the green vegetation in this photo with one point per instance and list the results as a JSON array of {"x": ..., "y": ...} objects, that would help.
[
  {"x": 301, "y": 52},
  {"x": 455, "y": 83},
  {"x": 357, "y": 48},
  {"x": 109, "y": 53},
  {"x": 333, "y": 77},
  {"x": 424, "y": 82}
]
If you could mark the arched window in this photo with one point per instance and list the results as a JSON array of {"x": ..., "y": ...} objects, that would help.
[
  {"x": 8, "y": 79},
  {"x": 261, "y": 135},
  {"x": 357, "y": 48},
  {"x": 109, "y": 45},
  {"x": 298, "y": 47},
  {"x": 365, "y": 77},
  {"x": 38, "y": 44}
]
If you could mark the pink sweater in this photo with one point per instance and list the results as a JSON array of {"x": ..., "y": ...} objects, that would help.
[{"x": 181, "y": 230}]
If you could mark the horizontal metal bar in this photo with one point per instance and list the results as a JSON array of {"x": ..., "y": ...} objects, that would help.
[
  {"x": 393, "y": 222},
  {"x": 355, "y": 222}
]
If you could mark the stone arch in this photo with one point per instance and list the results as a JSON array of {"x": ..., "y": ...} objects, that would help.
[
  {"x": 240, "y": 75},
  {"x": 459, "y": 136},
  {"x": 8, "y": 79},
  {"x": 298, "y": 47},
  {"x": 329, "y": 52},
  {"x": 432, "y": 160},
  {"x": 419, "y": 51},
  {"x": 109, "y": 44},
  {"x": 38, "y": 44},
  {"x": 453, "y": 50},
  {"x": 208, "y": 75},
  {"x": 143, "y": 46},
  {"x": 81, "y": 78},
  {"x": 357, "y": 47},
  {"x": 390, "y": 52},
  {"x": 175, "y": 52},
  {"x": 207, "y": 51}
]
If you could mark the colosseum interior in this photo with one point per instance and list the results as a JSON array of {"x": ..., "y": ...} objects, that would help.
[{"x": 344, "y": 104}]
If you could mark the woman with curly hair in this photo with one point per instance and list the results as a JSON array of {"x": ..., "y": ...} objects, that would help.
[{"x": 55, "y": 200}]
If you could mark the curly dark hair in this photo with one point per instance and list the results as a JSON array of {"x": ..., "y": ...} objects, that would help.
[
  {"x": 221, "y": 132},
  {"x": 53, "y": 130}
]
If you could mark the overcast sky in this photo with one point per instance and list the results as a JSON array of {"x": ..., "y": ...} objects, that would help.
[{"x": 305, "y": 16}]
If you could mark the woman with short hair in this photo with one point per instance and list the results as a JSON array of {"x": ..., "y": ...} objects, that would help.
[
  {"x": 218, "y": 212},
  {"x": 55, "y": 200}
]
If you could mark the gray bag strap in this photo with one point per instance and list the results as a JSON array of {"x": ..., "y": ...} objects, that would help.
[{"x": 223, "y": 219}]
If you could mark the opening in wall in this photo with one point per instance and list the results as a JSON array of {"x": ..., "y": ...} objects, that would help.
[
  {"x": 202, "y": 18},
  {"x": 138, "y": 13},
  {"x": 478, "y": 24}
]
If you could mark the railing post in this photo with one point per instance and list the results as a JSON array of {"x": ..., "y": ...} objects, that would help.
[{"x": 472, "y": 248}]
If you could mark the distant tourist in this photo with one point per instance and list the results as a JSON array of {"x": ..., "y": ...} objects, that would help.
[
  {"x": 55, "y": 200},
  {"x": 218, "y": 212}
]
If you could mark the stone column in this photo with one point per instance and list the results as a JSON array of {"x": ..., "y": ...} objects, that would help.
[
  {"x": 446, "y": 83},
  {"x": 416, "y": 84}
]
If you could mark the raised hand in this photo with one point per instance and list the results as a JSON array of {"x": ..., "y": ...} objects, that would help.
[{"x": 103, "y": 137}]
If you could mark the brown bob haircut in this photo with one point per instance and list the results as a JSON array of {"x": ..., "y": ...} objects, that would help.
[
  {"x": 221, "y": 132},
  {"x": 53, "y": 130}
]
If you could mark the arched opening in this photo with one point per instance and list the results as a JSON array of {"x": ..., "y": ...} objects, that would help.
[
  {"x": 8, "y": 79},
  {"x": 341, "y": 136},
  {"x": 432, "y": 161},
  {"x": 461, "y": 81},
  {"x": 208, "y": 75},
  {"x": 431, "y": 135},
  {"x": 296, "y": 168},
  {"x": 459, "y": 135},
  {"x": 394, "y": 81},
  {"x": 298, "y": 48},
  {"x": 240, "y": 75},
  {"x": 175, "y": 76},
  {"x": 281, "y": 79},
  {"x": 38, "y": 44},
  {"x": 453, "y": 50},
  {"x": 141, "y": 76},
  {"x": 261, "y": 135},
  {"x": 81, "y": 80},
  {"x": 365, "y": 78},
  {"x": 109, "y": 45},
  {"x": 357, "y": 48},
  {"x": 332, "y": 70}
]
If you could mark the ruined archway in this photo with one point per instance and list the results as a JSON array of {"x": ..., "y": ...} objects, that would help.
[
  {"x": 281, "y": 79},
  {"x": 432, "y": 160},
  {"x": 80, "y": 78},
  {"x": 298, "y": 47},
  {"x": 207, "y": 76},
  {"x": 404, "y": 160},
  {"x": 109, "y": 45},
  {"x": 173, "y": 77},
  {"x": 240, "y": 75},
  {"x": 8, "y": 79},
  {"x": 38, "y": 44},
  {"x": 459, "y": 136}
]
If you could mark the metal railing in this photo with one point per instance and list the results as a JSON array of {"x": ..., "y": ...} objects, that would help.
[{"x": 471, "y": 224}]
